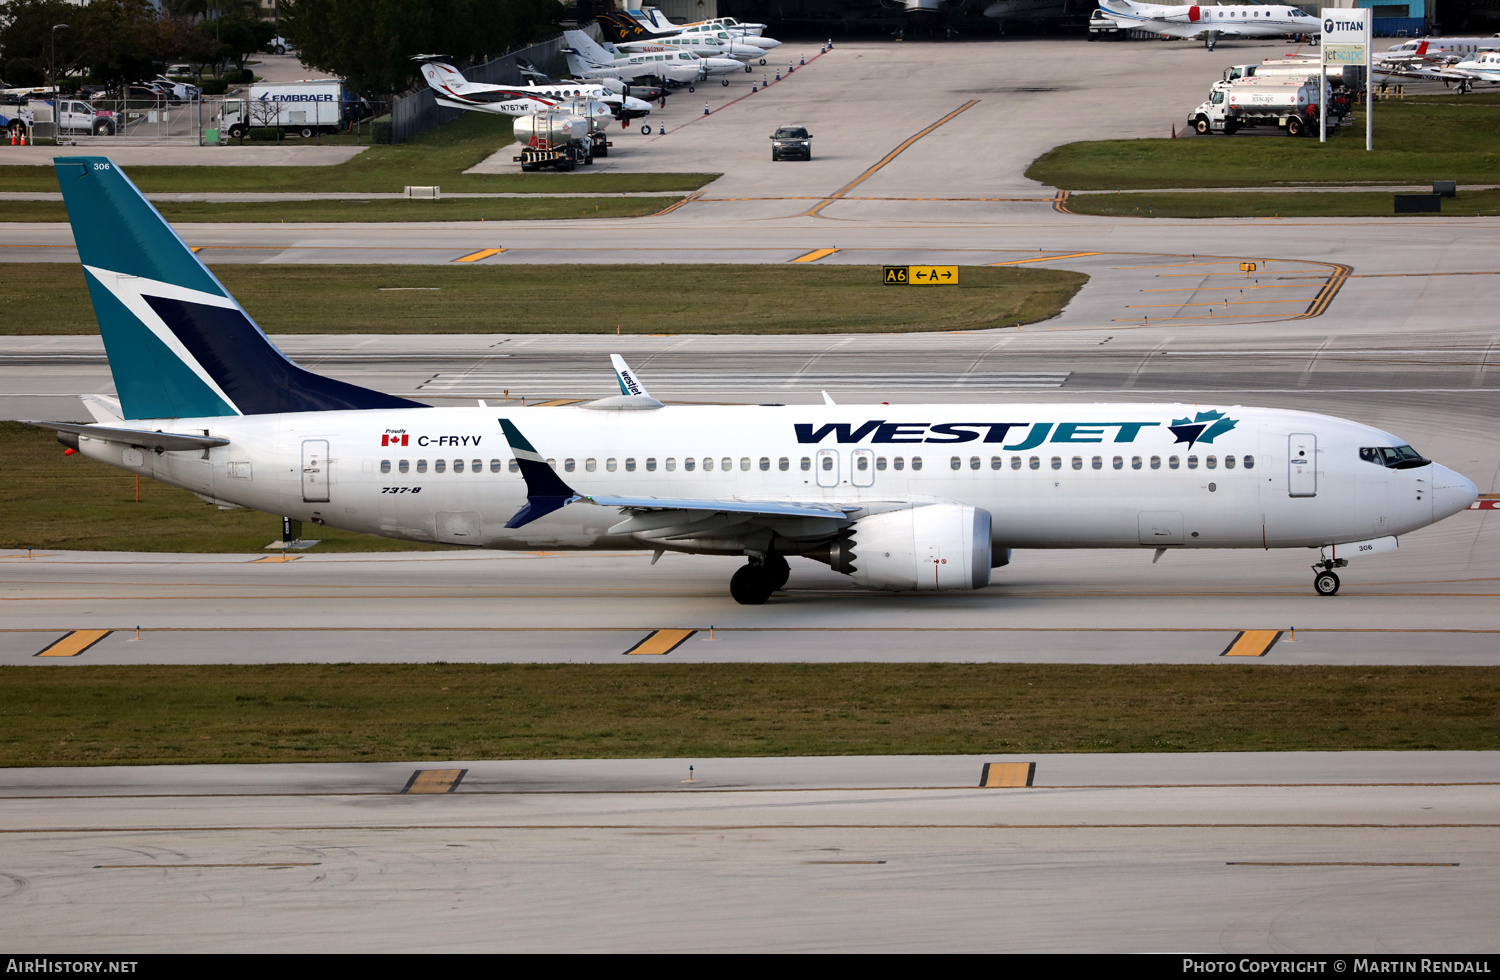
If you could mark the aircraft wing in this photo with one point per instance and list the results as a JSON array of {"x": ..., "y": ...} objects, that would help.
[{"x": 667, "y": 517}]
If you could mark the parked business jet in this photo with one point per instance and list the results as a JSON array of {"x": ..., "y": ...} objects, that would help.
[
  {"x": 897, "y": 497},
  {"x": 589, "y": 59},
  {"x": 626, "y": 36},
  {"x": 1211, "y": 23},
  {"x": 635, "y": 26},
  {"x": 591, "y": 100},
  {"x": 654, "y": 20}
]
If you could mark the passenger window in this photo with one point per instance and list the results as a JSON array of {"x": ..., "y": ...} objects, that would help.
[
  {"x": 899, "y": 462},
  {"x": 671, "y": 464},
  {"x": 630, "y": 464},
  {"x": 956, "y": 463},
  {"x": 477, "y": 466},
  {"x": 996, "y": 462},
  {"x": 1135, "y": 462},
  {"x": 439, "y": 466},
  {"x": 421, "y": 466},
  {"x": 514, "y": 467},
  {"x": 1156, "y": 462},
  {"x": 806, "y": 463},
  {"x": 783, "y": 464},
  {"x": 458, "y": 466},
  {"x": 650, "y": 464},
  {"x": 880, "y": 462},
  {"x": 385, "y": 466},
  {"x": 973, "y": 462},
  {"x": 745, "y": 464},
  {"x": 569, "y": 465},
  {"x": 827, "y": 464},
  {"x": 1057, "y": 462},
  {"x": 494, "y": 466},
  {"x": 1249, "y": 462},
  {"x": 403, "y": 466},
  {"x": 708, "y": 464},
  {"x": 1192, "y": 462},
  {"x": 1098, "y": 462},
  {"x": 610, "y": 465},
  {"x": 1212, "y": 462},
  {"x": 1036, "y": 462},
  {"x": 1118, "y": 462},
  {"x": 862, "y": 463},
  {"x": 1229, "y": 462},
  {"x": 1173, "y": 462},
  {"x": 590, "y": 465},
  {"x": 916, "y": 462},
  {"x": 1077, "y": 462},
  {"x": 687, "y": 464},
  {"x": 1015, "y": 462}
]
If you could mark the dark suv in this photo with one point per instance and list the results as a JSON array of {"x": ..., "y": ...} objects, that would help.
[{"x": 791, "y": 141}]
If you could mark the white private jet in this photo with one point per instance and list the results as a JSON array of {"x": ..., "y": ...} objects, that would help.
[
  {"x": 1211, "y": 23},
  {"x": 589, "y": 59},
  {"x": 627, "y": 36},
  {"x": 591, "y": 100},
  {"x": 897, "y": 497},
  {"x": 655, "y": 21}
]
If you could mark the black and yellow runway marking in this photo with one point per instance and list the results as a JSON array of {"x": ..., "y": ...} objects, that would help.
[
  {"x": 434, "y": 781},
  {"x": 815, "y": 255},
  {"x": 1007, "y": 775},
  {"x": 1252, "y": 643},
  {"x": 274, "y": 558},
  {"x": 660, "y": 643},
  {"x": 74, "y": 643}
]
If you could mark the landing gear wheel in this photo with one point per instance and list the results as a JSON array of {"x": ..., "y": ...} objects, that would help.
[
  {"x": 1326, "y": 583},
  {"x": 748, "y": 69},
  {"x": 750, "y": 586},
  {"x": 692, "y": 88},
  {"x": 645, "y": 129},
  {"x": 762, "y": 61},
  {"x": 724, "y": 82},
  {"x": 777, "y": 571}
]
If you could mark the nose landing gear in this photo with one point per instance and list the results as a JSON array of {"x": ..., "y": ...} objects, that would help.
[
  {"x": 1325, "y": 582},
  {"x": 753, "y": 584}
]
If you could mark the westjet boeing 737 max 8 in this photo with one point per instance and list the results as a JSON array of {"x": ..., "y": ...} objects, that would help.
[{"x": 899, "y": 497}]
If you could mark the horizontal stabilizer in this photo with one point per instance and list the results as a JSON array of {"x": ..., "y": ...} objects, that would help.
[{"x": 155, "y": 441}]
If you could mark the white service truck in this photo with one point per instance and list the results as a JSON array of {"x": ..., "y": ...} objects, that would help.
[
  {"x": 73, "y": 116},
  {"x": 305, "y": 108},
  {"x": 1288, "y": 104}
]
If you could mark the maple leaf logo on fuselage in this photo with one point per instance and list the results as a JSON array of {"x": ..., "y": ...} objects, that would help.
[{"x": 1204, "y": 427}]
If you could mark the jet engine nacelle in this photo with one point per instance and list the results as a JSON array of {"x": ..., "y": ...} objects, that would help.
[
  {"x": 1181, "y": 15},
  {"x": 937, "y": 548}
]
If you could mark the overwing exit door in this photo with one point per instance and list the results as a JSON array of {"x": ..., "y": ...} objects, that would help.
[
  {"x": 1302, "y": 464},
  {"x": 315, "y": 470},
  {"x": 828, "y": 467},
  {"x": 862, "y": 468}
]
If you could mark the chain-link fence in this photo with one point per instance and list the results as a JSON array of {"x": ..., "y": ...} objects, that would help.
[{"x": 105, "y": 121}]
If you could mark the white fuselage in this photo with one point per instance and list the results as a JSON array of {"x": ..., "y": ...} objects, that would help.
[
  {"x": 1251, "y": 20},
  {"x": 1050, "y": 476}
]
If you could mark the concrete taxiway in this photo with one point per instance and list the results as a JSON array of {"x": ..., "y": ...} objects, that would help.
[{"x": 1309, "y": 852}]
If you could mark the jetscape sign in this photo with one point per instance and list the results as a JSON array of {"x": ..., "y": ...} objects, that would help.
[{"x": 1346, "y": 37}]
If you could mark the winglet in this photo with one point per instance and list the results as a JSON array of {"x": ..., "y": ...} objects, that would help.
[
  {"x": 545, "y": 490},
  {"x": 629, "y": 384}
]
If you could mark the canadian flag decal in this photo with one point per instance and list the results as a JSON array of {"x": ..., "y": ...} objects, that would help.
[{"x": 390, "y": 440}]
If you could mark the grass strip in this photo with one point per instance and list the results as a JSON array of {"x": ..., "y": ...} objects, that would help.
[
  {"x": 1291, "y": 204},
  {"x": 144, "y": 715},
  {"x": 1416, "y": 141},
  {"x": 313, "y": 212},
  {"x": 638, "y": 299},
  {"x": 52, "y": 501},
  {"x": 439, "y": 156}
]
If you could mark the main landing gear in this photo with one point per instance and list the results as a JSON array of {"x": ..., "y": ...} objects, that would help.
[
  {"x": 1325, "y": 582},
  {"x": 754, "y": 583}
]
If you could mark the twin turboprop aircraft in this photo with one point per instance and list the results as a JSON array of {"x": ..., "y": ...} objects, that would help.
[
  {"x": 897, "y": 497},
  {"x": 590, "y": 99},
  {"x": 589, "y": 59},
  {"x": 1211, "y": 23}
]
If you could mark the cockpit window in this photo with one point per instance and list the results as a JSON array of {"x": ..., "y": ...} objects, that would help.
[{"x": 1396, "y": 458}]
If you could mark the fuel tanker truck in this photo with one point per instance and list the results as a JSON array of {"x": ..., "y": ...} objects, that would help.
[
  {"x": 1290, "y": 104},
  {"x": 568, "y": 136}
]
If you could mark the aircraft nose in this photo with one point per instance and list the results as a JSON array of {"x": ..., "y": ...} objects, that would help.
[{"x": 1451, "y": 492}]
